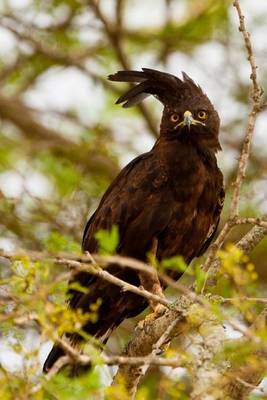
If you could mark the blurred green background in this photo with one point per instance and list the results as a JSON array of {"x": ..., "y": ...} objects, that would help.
[{"x": 62, "y": 138}]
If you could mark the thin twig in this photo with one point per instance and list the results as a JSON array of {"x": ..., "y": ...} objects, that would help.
[
  {"x": 247, "y": 243},
  {"x": 256, "y": 94}
]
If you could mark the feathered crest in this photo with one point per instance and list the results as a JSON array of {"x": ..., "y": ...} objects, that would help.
[{"x": 165, "y": 87}]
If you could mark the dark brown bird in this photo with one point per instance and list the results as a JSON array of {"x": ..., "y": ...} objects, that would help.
[{"x": 171, "y": 196}]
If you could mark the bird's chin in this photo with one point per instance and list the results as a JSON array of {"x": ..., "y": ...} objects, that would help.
[
  {"x": 194, "y": 129},
  {"x": 188, "y": 132},
  {"x": 187, "y": 129}
]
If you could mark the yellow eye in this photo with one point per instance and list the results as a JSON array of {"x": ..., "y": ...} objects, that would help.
[
  {"x": 202, "y": 114},
  {"x": 174, "y": 117}
]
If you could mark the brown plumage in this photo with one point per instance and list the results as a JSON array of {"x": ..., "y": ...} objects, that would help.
[{"x": 174, "y": 194}]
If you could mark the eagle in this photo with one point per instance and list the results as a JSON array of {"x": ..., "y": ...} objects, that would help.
[{"x": 167, "y": 200}]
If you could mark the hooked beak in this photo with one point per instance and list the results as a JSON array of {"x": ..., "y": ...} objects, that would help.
[{"x": 189, "y": 120}]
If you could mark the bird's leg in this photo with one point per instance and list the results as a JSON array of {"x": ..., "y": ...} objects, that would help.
[{"x": 151, "y": 282}]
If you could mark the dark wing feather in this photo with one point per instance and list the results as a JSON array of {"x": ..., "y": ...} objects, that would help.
[
  {"x": 133, "y": 203},
  {"x": 215, "y": 224},
  {"x": 139, "y": 210},
  {"x": 116, "y": 185},
  {"x": 136, "y": 207}
]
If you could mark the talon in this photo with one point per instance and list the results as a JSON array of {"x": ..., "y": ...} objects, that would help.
[
  {"x": 159, "y": 309},
  {"x": 140, "y": 325}
]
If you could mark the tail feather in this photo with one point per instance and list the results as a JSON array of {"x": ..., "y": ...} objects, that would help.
[
  {"x": 76, "y": 341},
  {"x": 111, "y": 312}
]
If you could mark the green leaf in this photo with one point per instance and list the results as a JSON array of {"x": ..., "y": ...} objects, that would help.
[
  {"x": 57, "y": 242},
  {"x": 176, "y": 263},
  {"x": 108, "y": 240},
  {"x": 66, "y": 387},
  {"x": 200, "y": 278}
]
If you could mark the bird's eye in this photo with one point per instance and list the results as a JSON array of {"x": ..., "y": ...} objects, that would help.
[
  {"x": 174, "y": 117},
  {"x": 202, "y": 114}
]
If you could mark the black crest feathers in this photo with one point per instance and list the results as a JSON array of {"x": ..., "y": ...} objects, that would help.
[{"x": 165, "y": 87}]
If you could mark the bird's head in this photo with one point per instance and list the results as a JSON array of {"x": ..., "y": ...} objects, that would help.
[{"x": 187, "y": 112}]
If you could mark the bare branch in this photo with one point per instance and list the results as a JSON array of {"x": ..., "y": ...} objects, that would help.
[
  {"x": 151, "y": 337},
  {"x": 247, "y": 243},
  {"x": 256, "y": 94},
  {"x": 93, "y": 269},
  {"x": 251, "y": 239}
]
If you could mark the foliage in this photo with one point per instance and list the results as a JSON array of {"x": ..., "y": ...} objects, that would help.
[
  {"x": 85, "y": 387},
  {"x": 35, "y": 295},
  {"x": 108, "y": 240},
  {"x": 62, "y": 143}
]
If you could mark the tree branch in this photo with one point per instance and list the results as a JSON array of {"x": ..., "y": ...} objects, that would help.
[
  {"x": 149, "y": 341},
  {"x": 256, "y": 94},
  {"x": 94, "y": 269}
]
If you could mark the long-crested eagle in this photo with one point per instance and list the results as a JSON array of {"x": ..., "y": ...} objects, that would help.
[{"x": 169, "y": 198}]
